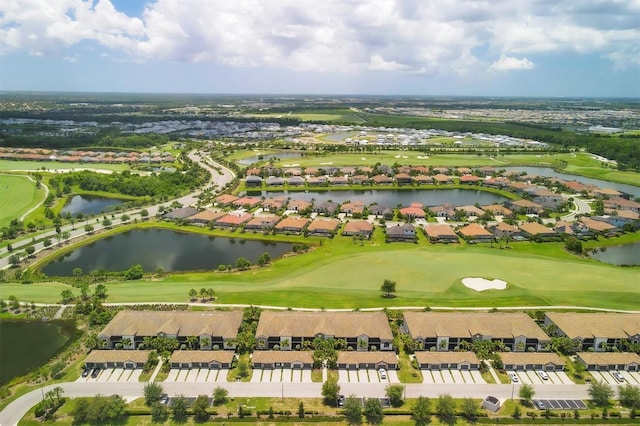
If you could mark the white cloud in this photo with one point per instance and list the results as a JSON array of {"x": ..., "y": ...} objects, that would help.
[
  {"x": 509, "y": 63},
  {"x": 410, "y": 36}
]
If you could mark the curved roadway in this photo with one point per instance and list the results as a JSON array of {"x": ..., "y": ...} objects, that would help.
[{"x": 217, "y": 181}]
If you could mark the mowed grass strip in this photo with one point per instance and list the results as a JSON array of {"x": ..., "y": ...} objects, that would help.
[
  {"x": 349, "y": 276},
  {"x": 17, "y": 195}
]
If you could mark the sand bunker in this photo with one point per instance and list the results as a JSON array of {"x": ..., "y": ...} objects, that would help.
[{"x": 482, "y": 284}]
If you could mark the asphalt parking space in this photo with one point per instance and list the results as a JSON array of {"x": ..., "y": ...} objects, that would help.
[
  {"x": 343, "y": 376},
  {"x": 173, "y": 375},
  {"x": 629, "y": 377},
  {"x": 466, "y": 376},
  {"x": 393, "y": 376},
  {"x": 105, "y": 374},
  {"x": 437, "y": 377},
  {"x": 286, "y": 375},
  {"x": 427, "y": 377},
  {"x": 535, "y": 379},
  {"x": 256, "y": 377},
  {"x": 523, "y": 377},
  {"x": 191, "y": 375},
  {"x": 306, "y": 376},
  {"x": 202, "y": 375},
  {"x": 456, "y": 375},
  {"x": 477, "y": 376},
  {"x": 374, "y": 376},
  {"x": 447, "y": 377},
  {"x": 182, "y": 374}
]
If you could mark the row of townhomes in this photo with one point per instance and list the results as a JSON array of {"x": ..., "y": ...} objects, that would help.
[{"x": 443, "y": 339}]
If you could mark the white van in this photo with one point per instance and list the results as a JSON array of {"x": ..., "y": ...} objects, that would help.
[
  {"x": 514, "y": 377},
  {"x": 543, "y": 374}
]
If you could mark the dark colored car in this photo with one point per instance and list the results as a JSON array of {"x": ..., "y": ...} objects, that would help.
[
  {"x": 85, "y": 372},
  {"x": 96, "y": 372}
]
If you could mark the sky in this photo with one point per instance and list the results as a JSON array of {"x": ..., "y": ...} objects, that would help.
[{"x": 537, "y": 48}]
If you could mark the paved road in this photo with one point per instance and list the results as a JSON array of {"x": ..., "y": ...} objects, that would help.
[
  {"x": 17, "y": 409},
  {"x": 581, "y": 208},
  {"x": 217, "y": 180}
]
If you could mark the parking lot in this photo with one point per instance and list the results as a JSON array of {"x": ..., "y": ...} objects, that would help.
[
  {"x": 452, "y": 376},
  {"x": 286, "y": 375},
  {"x": 369, "y": 375},
  {"x": 197, "y": 375},
  {"x": 531, "y": 377},
  {"x": 114, "y": 375},
  {"x": 559, "y": 404},
  {"x": 631, "y": 377}
]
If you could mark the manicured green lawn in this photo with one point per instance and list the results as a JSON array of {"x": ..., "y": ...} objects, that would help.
[
  {"x": 54, "y": 165},
  {"x": 341, "y": 274},
  {"x": 18, "y": 194}
]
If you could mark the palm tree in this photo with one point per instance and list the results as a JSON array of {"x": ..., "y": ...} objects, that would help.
[
  {"x": 126, "y": 342},
  {"x": 192, "y": 342}
]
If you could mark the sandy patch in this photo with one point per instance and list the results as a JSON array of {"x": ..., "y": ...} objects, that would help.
[
  {"x": 482, "y": 284},
  {"x": 290, "y": 165},
  {"x": 422, "y": 157},
  {"x": 324, "y": 164},
  {"x": 362, "y": 158},
  {"x": 404, "y": 156},
  {"x": 397, "y": 156}
]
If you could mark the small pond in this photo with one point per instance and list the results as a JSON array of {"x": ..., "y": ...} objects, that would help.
[
  {"x": 622, "y": 255},
  {"x": 173, "y": 251},
  {"x": 19, "y": 338},
  {"x": 549, "y": 172},
  {"x": 265, "y": 157},
  {"x": 89, "y": 204},
  {"x": 393, "y": 197}
]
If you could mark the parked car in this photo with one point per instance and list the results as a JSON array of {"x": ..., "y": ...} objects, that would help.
[
  {"x": 514, "y": 377},
  {"x": 617, "y": 375},
  {"x": 540, "y": 404},
  {"x": 383, "y": 374},
  {"x": 340, "y": 400},
  {"x": 543, "y": 374},
  {"x": 96, "y": 372},
  {"x": 86, "y": 371}
]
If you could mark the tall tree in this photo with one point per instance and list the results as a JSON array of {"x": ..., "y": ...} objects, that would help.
[
  {"x": 600, "y": 393},
  {"x": 353, "y": 410},
  {"x": 395, "y": 394},
  {"x": 152, "y": 392},
  {"x": 526, "y": 392},
  {"x": 373, "y": 411},
  {"x": 421, "y": 411},
  {"x": 445, "y": 408},
  {"x": 330, "y": 392},
  {"x": 388, "y": 287}
]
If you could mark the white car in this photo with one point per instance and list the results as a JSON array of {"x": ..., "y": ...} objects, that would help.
[
  {"x": 617, "y": 375},
  {"x": 383, "y": 374},
  {"x": 543, "y": 375},
  {"x": 514, "y": 377}
]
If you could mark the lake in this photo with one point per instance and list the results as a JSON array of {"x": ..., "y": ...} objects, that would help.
[
  {"x": 89, "y": 204},
  {"x": 622, "y": 255},
  {"x": 20, "y": 338},
  {"x": 173, "y": 251},
  {"x": 393, "y": 197},
  {"x": 549, "y": 172},
  {"x": 265, "y": 157}
]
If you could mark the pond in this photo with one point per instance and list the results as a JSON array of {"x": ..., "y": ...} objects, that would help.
[
  {"x": 18, "y": 338},
  {"x": 173, "y": 251},
  {"x": 622, "y": 255},
  {"x": 549, "y": 172},
  {"x": 265, "y": 157},
  {"x": 89, "y": 204},
  {"x": 393, "y": 197}
]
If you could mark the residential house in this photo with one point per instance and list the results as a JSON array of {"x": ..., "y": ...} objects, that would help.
[
  {"x": 529, "y": 207},
  {"x": 620, "y": 203},
  {"x": 598, "y": 227},
  {"x": 274, "y": 181},
  {"x": 605, "y": 193},
  {"x": 213, "y": 329},
  {"x": 233, "y": 220},
  {"x": 617, "y": 221},
  {"x": 546, "y": 198},
  {"x": 355, "y": 360},
  {"x": 254, "y": 171},
  {"x": 273, "y": 204},
  {"x": 211, "y": 360},
  {"x": 360, "y": 179},
  {"x": 413, "y": 212},
  {"x": 338, "y": 181},
  {"x": 609, "y": 361},
  {"x": 225, "y": 200},
  {"x": 317, "y": 181},
  {"x": 205, "y": 216},
  {"x": 382, "y": 180},
  {"x": 380, "y": 210},
  {"x": 448, "y": 211},
  {"x": 469, "y": 179},
  {"x": 497, "y": 210},
  {"x": 116, "y": 359},
  {"x": 474, "y": 232},
  {"x": 253, "y": 181},
  {"x": 536, "y": 230},
  {"x": 440, "y": 233},
  {"x": 463, "y": 171},
  {"x": 466, "y": 361},
  {"x": 299, "y": 205},
  {"x": 291, "y": 225},
  {"x": 295, "y": 181},
  {"x": 404, "y": 232},
  {"x": 446, "y": 331},
  {"x": 423, "y": 179},
  {"x": 292, "y": 171},
  {"x": 288, "y": 330},
  {"x": 471, "y": 210},
  {"x": 575, "y": 229},
  {"x": 595, "y": 331},
  {"x": 181, "y": 213},
  {"x": 327, "y": 208},
  {"x": 358, "y": 228},
  {"x": 356, "y": 207},
  {"x": 323, "y": 227},
  {"x": 442, "y": 178},
  {"x": 403, "y": 179},
  {"x": 440, "y": 170},
  {"x": 246, "y": 202},
  {"x": 503, "y": 230},
  {"x": 521, "y": 361},
  {"x": 270, "y": 360},
  {"x": 262, "y": 222}
]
